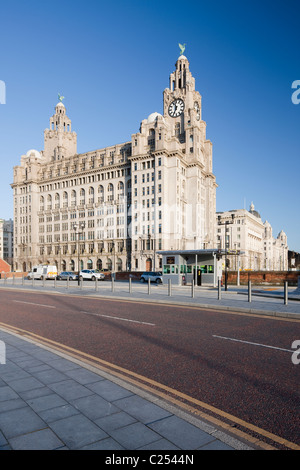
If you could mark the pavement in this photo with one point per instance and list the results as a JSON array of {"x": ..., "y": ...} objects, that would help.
[{"x": 52, "y": 401}]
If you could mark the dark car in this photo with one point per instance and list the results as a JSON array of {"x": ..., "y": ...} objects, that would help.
[{"x": 68, "y": 275}]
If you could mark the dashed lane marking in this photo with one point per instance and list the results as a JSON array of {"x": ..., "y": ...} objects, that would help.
[
  {"x": 117, "y": 318},
  {"x": 32, "y": 303},
  {"x": 254, "y": 344}
]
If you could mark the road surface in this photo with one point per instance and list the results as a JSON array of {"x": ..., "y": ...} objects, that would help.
[{"x": 230, "y": 368}]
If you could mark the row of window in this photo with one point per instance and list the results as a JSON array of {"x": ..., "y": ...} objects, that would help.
[
  {"x": 145, "y": 178},
  {"x": 84, "y": 180}
]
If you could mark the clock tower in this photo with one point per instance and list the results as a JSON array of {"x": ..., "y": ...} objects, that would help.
[
  {"x": 183, "y": 111},
  {"x": 59, "y": 141},
  {"x": 183, "y": 115}
]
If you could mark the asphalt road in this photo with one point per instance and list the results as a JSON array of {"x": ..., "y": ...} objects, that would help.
[{"x": 231, "y": 367}]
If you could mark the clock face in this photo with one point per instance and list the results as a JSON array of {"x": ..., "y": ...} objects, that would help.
[{"x": 176, "y": 108}]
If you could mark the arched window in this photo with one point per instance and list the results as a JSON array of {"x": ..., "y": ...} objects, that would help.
[
  {"x": 82, "y": 197},
  {"x": 121, "y": 192},
  {"x": 57, "y": 201},
  {"x": 73, "y": 198},
  {"x": 65, "y": 199},
  {"x": 100, "y": 193},
  {"x": 109, "y": 264},
  {"x": 151, "y": 139},
  {"x": 99, "y": 264},
  {"x": 110, "y": 190},
  {"x": 49, "y": 201},
  {"x": 90, "y": 264},
  {"x": 91, "y": 195},
  {"x": 119, "y": 264}
]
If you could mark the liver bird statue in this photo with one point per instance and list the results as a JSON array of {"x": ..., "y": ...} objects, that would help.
[{"x": 182, "y": 48}]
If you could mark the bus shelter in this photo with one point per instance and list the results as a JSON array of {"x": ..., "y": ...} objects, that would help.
[{"x": 184, "y": 266}]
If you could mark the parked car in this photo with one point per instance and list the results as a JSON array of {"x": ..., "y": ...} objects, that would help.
[
  {"x": 68, "y": 275},
  {"x": 153, "y": 276},
  {"x": 91, "y": 274}
]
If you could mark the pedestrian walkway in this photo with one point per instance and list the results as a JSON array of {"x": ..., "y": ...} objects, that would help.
[{"x": 50, "y": 401}]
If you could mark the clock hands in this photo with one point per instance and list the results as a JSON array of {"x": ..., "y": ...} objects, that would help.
[{"x": 176, "y": 108}]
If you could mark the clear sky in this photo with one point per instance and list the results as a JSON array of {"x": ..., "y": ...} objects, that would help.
[{"x": 112, "y": 60}]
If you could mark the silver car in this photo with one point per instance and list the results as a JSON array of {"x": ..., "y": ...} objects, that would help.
[
  {"x": 68, "y": 275},
  {"x": 91, "y": 274},
  {"x": 153, "y": 276}
]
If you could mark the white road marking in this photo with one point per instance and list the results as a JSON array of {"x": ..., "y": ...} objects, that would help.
[
  {"x": 32, "y": 303},
  {"x": 117, "y": 318},
  {"x": 255, "y": 344}
]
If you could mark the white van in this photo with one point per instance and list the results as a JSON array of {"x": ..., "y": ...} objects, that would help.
[{"x": 43, "y": 271}]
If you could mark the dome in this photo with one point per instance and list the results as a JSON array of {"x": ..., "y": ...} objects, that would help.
[
  {"x": 253, "y": 211},
  {"x": 182, "y": 57},
  {"x": 60, "y": 104},
  {"x": 33, "y": 153},
  {"x": 152, "y": 117}
]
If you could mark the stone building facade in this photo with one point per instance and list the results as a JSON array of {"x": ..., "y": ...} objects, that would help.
[
  {"x": 247, "y": 233},
  {"x": 116, "y": 207},
  {"x": 6, "y": 241}
]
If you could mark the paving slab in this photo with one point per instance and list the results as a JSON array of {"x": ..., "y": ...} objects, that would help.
[{"x": 62, "y": 403}]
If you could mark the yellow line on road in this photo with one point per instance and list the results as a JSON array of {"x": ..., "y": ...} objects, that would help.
[{"x": 130, "y": 376}]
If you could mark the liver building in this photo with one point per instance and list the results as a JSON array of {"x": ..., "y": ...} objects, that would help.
[{"x": 115, "y": 208}]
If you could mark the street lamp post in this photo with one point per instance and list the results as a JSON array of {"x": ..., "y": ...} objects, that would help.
[
  {"x": 78, "y": 229},
  {"x": 149, "y": 246},
  {"x": 226, "y": 223}
]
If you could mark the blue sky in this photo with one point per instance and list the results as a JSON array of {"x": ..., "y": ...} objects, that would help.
[{"x": 112, "y": 60}]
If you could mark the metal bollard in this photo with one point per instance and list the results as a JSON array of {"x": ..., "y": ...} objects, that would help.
[
  {"x": 43, "y": 281},
  {"x": 81, "y": 283},
  {"x": 219, "y": 289},
  {"x": 249, "y": 292},
  {"x": 130, "y": 285},
  {"x": 149, "y": 290},
  {"x": 193, "y": 289},
  {"x": 286, "y": 290},
  {"x": 169, "y": 287},
  {"x": 96, "y": 284},
  {"x": 112, "y": 284},
  {"x": 68, "y": 281},
  {"x": 55, "y": 283}
]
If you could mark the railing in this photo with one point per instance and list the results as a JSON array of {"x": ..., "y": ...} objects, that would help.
[{"x": 180, "y": 292}]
